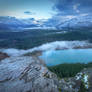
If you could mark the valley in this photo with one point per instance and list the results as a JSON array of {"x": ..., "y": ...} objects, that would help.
[
  {"x": 31, "y": 38},
  {"x": 21, "y": 67},
  {"x": 45, "y": 46}
]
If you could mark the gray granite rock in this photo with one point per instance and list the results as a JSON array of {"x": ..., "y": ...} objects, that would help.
[
  {"x": 29, "y": 74},
  {"x": 24, "y": 74}
]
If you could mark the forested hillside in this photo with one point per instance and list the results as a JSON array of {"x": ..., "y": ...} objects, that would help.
[{"x": 32, "y": 38}]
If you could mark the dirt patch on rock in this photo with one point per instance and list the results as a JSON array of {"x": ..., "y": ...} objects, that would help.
[{"x": 3, "y": 56}]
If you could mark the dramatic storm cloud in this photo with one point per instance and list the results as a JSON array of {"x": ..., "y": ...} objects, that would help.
[
  {"x": 71, "y": 13},
  {"x": 65, "y": 7},
  {"x": 41, "y": 9},
  {"x": 56, "y": 13}
]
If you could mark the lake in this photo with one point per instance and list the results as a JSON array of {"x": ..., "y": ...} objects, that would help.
[{"x": 55, "y": 57}]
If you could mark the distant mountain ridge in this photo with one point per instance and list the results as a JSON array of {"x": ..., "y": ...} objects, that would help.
[
  {"x": 77, "y": 22},
  {"x": 14, "y": 23},
  {"x": 7, "y": 22}
]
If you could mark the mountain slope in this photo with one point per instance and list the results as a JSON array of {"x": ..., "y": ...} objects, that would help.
[
  {"x": 14, "y": 23},
  {"x": 77, "y": 22},
  {"x": 27, "y": 73}
]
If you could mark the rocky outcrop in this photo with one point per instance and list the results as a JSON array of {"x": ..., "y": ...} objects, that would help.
[{"x": 26, "y": 74}]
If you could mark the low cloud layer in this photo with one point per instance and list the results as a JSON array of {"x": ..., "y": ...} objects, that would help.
[{"x": 47, "y": 47}]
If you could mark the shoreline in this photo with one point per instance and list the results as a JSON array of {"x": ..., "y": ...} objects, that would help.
[
  {"x": 37, "y": 51},
  {"x": 36, "y": 55}
]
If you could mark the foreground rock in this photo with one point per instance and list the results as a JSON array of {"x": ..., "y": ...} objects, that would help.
[
  {"x": 26, "y": 74},
  {"x": 29, "y": 74}
]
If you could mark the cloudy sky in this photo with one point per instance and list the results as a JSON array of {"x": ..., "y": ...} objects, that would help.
[
  {"x": 38, "y": 9},
  {"x": 45, "y": 9}
]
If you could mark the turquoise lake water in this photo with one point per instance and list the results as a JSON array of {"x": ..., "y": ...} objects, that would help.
[{"x": 67, "y": 56}]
